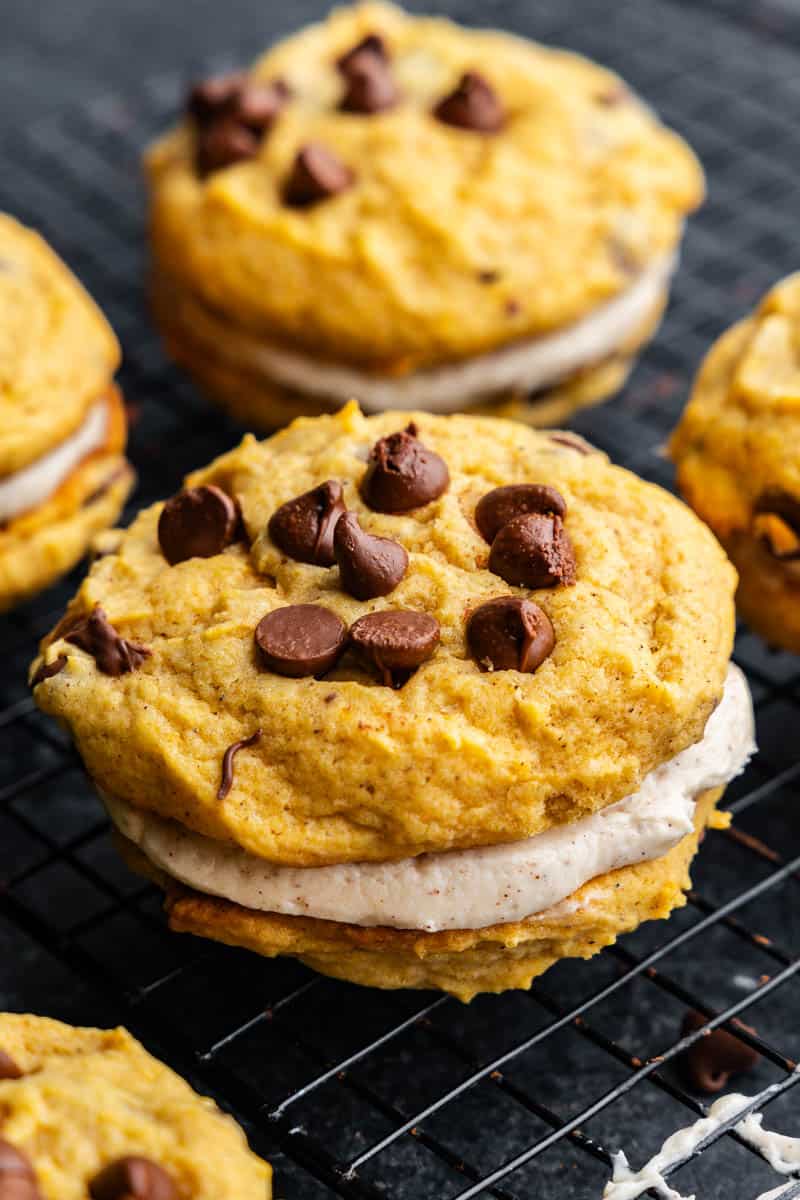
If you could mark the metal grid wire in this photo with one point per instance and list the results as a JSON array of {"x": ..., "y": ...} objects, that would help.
[{"x": 363, "y": 1094}]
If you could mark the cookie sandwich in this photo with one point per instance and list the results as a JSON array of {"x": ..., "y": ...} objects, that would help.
[
  {"x": 63, "y": 474},
  {"x": 425, "y": 704},
  {"x": 738, "y": 463},
  {"x": 418, "y": 215},
  {"x": 136, "y": 1132}
]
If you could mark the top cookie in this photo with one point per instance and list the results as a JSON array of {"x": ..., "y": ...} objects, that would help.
[
  {"x": 75, "y": 1102},
  {"x": 57, "y": 351},
  {"x": 625, "y": 607},
  {"x": 736, "y": 445},
  {"x": 482, "y": 189}
]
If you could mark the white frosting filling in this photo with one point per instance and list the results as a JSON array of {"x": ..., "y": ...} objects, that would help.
[
  {"x": 466, "y": 889},
  {"x": 781, "y": 1152},
  {"x": 525, "y": 365},
  {"x": 35, "y": 483}
]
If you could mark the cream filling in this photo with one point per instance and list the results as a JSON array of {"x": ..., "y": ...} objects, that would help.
[
  {"x": 466, "y": 889},
  {"x": 35, "y": 483},
  {"x": 526, "y": 366},
  {"x": 781, "y": 1151}
]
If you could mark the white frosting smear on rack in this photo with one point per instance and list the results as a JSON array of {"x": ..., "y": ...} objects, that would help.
[
  {"x": 781, "y": 1152},
  {"x": 35, "y": 483},
  {"x": 466, "y": 889},
  {"x": 526, "y": 365}
]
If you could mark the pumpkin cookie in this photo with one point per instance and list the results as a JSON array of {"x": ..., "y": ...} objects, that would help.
[
  {"x": 737, "y": 459},
  {"x": 63, "y": 474},
  {"x": 418, "y": 215},
  {"x": 137, "y": 1130},
  {"x": 378, "y": 681}
]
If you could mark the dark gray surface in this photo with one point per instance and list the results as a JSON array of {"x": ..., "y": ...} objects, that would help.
[{"x": 735, "y": 96}]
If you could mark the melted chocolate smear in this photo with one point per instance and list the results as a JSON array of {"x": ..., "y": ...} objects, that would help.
[
  {"x": 97, "y": 636},
  {"x": 228, "y": 762}
]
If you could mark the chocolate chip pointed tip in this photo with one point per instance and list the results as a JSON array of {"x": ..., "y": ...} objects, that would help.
[
  {"x": 133, "y": 1178},
  {"x": 709, "y": 1063},
  {"x": 509, "y": 633},
  {"x": 535, "y": 551},
  {"x": 303, "y": 527},
  {"x": 395, "y": 642},
  {"x": 403, "y": 473},
  {"x": 298, "y": 640},
  {"x": 223, "y": 144},
  {"x": 316, "y": 175},
  {"x": 372, "y": 45},
  {"x": 209, "y": 97},
  {"x": 473, "y": 105},
  {"x": 370, "y": 87},
  {"x": 369, "y": 566},
  {"x": 502, "y": 504},
  {"x": 197, "y": 523}
]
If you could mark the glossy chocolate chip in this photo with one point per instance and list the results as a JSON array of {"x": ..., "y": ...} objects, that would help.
[
  {"x": 133, "y": 1178},
  {"x": 226, "y": 783},
  {"x": 395, "y": 641},
  {"x": 257, "y": 103},
  {"x": 473, "y": 104},
  {"x": 368, "y": 565},
  {"x": 533, "y": 551},
  {"x": 372, "y": 46},
  {"x": 303, "y": 527},
  {"x": 710, "y": 1061},
  {"x": 197, "y": 523},
  {"x": 300, "y": 639},
  {"x": 403, "y": 473},
  {"x": 8, "y": 1068},
  {"x": 498, "y": 507},
  {"x": 222, "y": 144},
  {"x": 210, "y": 97},
  {"x": 510, "y": 634},
  {"x": 97, "y": 636},
  {"x": 370, "y": 86},
  {"x": 316, "y": 174},
  {"x": 48, "y": 670},
  {"x": 17, "y": 1176}
]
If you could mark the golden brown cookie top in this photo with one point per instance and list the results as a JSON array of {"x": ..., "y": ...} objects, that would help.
[
  {"x": 382, "y": 736},
  {"x": 57, "y": 351},
  {"x": 736, "y": 445},
  {"x": 438, "y": 193},
  {"x": 80, "y": 1104}
]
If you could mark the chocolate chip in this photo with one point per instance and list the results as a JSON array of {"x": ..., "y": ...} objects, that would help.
[
  {"x": 533, "y": 551},
  {"x": 510, "y": 634},
  {"x": 211, "y": 97},
  {"x": 47, "y": 671},
  {"x": 17, "y": 1176},
  {"x": 403, "y": 473},
  {"x": 395, "y": 641},
  {"x": 473, "y": 104},
  {"x": 227, "y": 762},
  {"x": 97, "y": 636},
  {"x": 257, "y": 103},
  {"x": 222, "y": 144},
  {"x": 370, "y": 86},
  {"x": 369, "y": 566},
  {"x": 133, "y": 1178},
  {"x": 573, "y": 441},
  {"x": 197, "y": 523},
  {"x": 300, "y": 639},
  {"x": 710, "y": 1061},
  {"x": 316, "y": 174},
  {"x": 372, "y": 46},
  {"x": 303, "y": 527},
  {"x": 502, "y": 504},
  {"x": 8, "y": 1068}
]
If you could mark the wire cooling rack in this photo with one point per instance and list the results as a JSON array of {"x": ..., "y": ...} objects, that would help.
[{"x": 362, "y": 1094}]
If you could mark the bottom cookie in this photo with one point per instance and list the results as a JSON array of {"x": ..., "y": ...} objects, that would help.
[
  {"x": 461, "y": 962},
  {"x": 88, "y": 1112},
  {"x": 221, "y": 361}
]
